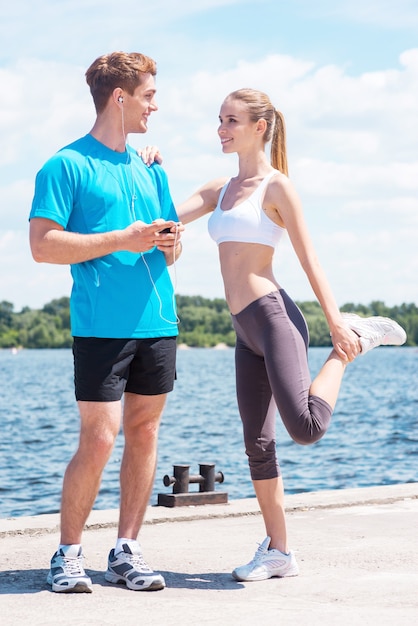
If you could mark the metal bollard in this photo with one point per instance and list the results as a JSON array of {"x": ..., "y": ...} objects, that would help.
[
  {"x": 181, "y": 479},
  {"x": 207, "y": 473}
]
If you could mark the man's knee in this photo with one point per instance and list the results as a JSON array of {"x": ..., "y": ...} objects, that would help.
[{"x": 100, "y": 424}]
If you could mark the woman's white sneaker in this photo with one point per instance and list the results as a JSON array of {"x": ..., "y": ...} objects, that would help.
[
  {"x": 375, "y": 331},
  {"x": 267, "y": 564}
]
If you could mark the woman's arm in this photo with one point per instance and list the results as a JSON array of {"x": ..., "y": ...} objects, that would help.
[
  {"x": 201, "y": 202},
  {"x": 289, "y": 209}
]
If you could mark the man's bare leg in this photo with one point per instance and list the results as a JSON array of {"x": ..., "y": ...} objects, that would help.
[
  {"x": 100, "y": 424},
  {"x": 141, "y": 421}
]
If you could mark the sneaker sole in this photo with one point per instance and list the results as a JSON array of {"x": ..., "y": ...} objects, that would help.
[
  {"x": 294, "y": 571},
  {"x": 155, "y": 585},
  {"x": 79, "y": 587}
]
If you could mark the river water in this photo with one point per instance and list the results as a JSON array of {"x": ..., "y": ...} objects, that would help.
[{"x": 373, "y": 439}]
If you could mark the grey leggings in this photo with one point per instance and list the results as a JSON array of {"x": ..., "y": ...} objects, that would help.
[{"x": 272, "y": 371}]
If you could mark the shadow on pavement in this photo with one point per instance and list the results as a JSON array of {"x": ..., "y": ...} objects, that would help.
[{"x": 34, "y": 581}]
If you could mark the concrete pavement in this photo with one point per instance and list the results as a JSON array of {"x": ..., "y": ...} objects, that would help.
[{"x": 357, "y": 551}]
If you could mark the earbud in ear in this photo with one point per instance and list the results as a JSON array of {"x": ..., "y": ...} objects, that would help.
[{"x": 120, "y": 99}]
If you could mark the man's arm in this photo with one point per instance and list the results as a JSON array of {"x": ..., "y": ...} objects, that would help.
[
  {"x": 50, "y": 243},
  {"x": 173, "y": 254},
  {"x": 169, "y": 242}
]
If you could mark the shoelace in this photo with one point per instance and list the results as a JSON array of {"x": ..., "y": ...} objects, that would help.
[
  {"x": 137, "y": 561},
  {"x": 261, "y": 551},
  {"x": 72, "y": 566}
]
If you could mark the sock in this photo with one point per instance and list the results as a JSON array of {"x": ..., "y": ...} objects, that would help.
[
  {"x": 70, "y": 549},
  {"x": 121, "y": 540}
]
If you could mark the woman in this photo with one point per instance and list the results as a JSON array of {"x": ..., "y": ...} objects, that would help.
[{"x": 251, "y": 212}]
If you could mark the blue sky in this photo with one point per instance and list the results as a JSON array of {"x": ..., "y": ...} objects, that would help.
[{"x": 344, "y": 74}]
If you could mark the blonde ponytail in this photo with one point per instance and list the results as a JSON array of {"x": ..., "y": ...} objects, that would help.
[{"x": 278, "y": 152}]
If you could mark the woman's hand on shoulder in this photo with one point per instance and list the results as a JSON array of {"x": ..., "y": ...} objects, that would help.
[{"x": 150, "y": 155}]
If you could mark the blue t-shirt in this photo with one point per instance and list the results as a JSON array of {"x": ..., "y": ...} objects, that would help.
[{"x": 88, "y": 188}]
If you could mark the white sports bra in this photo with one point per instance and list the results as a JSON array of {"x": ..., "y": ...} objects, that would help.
[{"x": 246, "y": 222}]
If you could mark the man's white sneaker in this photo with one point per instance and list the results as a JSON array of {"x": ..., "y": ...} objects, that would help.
[
  {"x": 67, "y": 574},
  {"x": 375, "y": 331},
  {"x": 128, "y": 567},
  {"x": 267, "y": 564}
]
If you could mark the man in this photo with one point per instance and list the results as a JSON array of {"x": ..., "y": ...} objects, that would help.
[{"x": 98, "y": 207}]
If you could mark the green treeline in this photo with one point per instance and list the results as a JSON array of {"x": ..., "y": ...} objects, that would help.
[{"x": 203, "y": 322}]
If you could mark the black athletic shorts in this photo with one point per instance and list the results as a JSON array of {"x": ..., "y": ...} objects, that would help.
[{"x": 105, "y": 368}]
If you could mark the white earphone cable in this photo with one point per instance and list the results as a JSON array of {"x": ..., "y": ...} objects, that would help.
[
  {"x": 177, "y": 321},
  {"x": 133, "y": 198}
]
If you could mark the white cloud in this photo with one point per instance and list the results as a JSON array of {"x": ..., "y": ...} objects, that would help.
[
  {"x": 352, "y": 148},
  {"x": 84, "y": 29},
  {"x": 366, "y": 188},
  {"x": 382, "y": 13}
]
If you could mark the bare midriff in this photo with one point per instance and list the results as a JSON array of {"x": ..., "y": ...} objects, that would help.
[{"x": 247, "y": 273}]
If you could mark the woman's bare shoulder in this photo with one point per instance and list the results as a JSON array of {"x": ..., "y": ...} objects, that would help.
[{"x": 279, "y": 187}]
